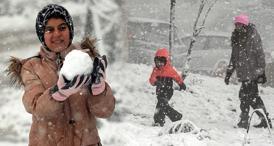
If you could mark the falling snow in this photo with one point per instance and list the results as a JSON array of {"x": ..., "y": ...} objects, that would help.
[{"x": 210, "y": 108}]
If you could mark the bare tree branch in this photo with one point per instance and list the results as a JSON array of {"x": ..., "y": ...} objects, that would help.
[
  {"x": 199, "y": 14},
  {"x": 208, "y": 10},
  {"x": 196, "y": 32}
]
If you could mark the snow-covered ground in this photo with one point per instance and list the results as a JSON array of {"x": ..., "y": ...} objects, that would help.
[{"x": 212, "y": 106}]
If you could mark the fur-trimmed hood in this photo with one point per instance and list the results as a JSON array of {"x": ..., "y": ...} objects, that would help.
[{"x": 14, "y": 70}]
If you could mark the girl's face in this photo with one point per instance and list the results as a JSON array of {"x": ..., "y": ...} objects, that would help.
[{"x": 57, "y": 37}]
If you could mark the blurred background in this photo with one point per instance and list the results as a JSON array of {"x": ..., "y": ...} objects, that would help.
[
  {"x": 91, "y": 17},
  {"x": 148, "y": 30}
]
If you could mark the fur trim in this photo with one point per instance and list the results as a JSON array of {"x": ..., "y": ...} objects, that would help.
[
  {"x": 89, "y": 43},
  {"x": 13, "y": 71}
]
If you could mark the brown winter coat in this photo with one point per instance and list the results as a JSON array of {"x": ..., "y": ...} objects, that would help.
[
  {"x": 247, "y": 56},
  {"x": 68, "y": 123}
]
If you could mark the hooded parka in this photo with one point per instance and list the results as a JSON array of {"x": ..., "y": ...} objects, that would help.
[
  {"x": 247, "y": 56},
  {"x": 68, "y": 123},
  {"x": 167, "y": 71}
]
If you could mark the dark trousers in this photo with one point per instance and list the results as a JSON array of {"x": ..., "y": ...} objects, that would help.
[
  {"x": 164, "y": 109},
  {"x": 249, "y": 97}
]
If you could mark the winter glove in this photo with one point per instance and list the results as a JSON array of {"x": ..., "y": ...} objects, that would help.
[
  {"x": 262, "y": 78},
  {"x": 227, "y": 77},
  {"x": 229, "y": 71},
  {"x": 98, "y": 75},
  {"x": 182, "y": 86},
  {"x": 64, "y": 88}
]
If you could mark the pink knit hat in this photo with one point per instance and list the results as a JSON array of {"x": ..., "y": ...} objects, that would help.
[{"x": 243, "y": 19}]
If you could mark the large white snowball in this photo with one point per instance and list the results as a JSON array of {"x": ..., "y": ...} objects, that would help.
[{"x": 76, "y": 63}]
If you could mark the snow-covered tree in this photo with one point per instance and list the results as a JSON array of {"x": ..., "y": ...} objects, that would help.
[{"x": 199, "y": 24}]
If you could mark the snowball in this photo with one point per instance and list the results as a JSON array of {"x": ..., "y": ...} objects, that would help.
[{"x": 76, "y": 63}]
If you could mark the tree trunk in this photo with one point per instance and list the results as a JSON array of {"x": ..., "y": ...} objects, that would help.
[
  {"x": 89, "y": 28},
  {"x": 171, "y": 27},
  {"x": 196, "y": 31}
]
